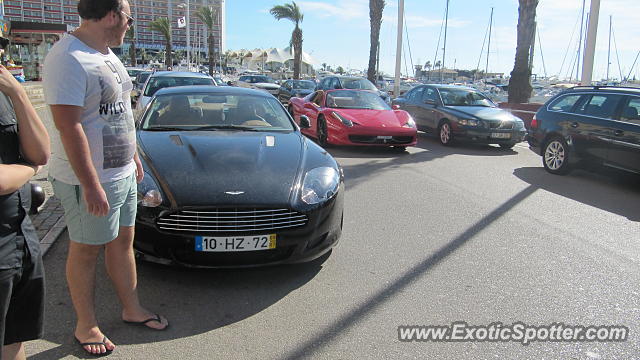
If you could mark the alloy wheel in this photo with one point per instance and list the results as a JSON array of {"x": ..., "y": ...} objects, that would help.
[
  {"x": 554, "y": 155},
  {"x": 445, "y": 133}
]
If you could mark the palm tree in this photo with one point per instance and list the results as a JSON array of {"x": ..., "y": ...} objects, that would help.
[
  {"x": 438, "y": 64},
  {"x": 163, "y": 26},
  {"x": 324, "y": 66},
  {"x": 131, "y": 36},
  {"x": 208, "y": 16},
  {"x": 292, "y": 12},
  {"x": 375, "y": 18},
  {"x": 520, "y": 82}
]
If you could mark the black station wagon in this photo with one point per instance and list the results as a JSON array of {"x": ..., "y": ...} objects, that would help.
[{"x": 590, "y": 124}]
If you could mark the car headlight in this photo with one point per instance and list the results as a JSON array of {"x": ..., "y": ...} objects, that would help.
[
  {"x": 410, "y": 123},
  {"x": 469, "y": 122},
  {"x": 320, "y": 184},
  {"x": 148, "y": 192},
  {"x": 344, "y": 120}
]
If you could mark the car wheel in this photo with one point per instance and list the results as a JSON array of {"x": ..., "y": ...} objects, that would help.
[
  {"x": 555, "y": 156},
  {"x": 507, "y": 146},
  {"x": 444, "y": 133},
  {"x": 322, "y": 132}
]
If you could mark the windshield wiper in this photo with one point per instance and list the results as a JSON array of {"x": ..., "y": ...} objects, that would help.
[
  {"x": 164, "y": 128},
  {"x": 224, "y": 127}
]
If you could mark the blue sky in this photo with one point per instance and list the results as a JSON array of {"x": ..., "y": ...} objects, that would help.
[{"x": 336, "y": 32}]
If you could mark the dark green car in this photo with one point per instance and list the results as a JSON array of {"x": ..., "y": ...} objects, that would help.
[{"x": 461, "y": 113}]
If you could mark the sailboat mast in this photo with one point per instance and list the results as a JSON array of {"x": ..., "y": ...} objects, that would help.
[
  {"x": 580, "y": 43},
  {"x": 609, "y": 50},
  {"x": 486, "y": 69},
  {"x": 444, "y": 48}
]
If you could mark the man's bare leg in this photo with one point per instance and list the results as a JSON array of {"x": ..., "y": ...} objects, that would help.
[
  {"x": 13, "y": 352},
  {"x": 81, "y": 277},
  {"x": 121, "y": 267}
]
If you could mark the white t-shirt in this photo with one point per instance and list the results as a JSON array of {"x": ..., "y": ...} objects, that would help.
[{"x": 76, "y": 74}]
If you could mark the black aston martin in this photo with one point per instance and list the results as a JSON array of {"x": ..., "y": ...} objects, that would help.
[{"x": 230, "y": 181}]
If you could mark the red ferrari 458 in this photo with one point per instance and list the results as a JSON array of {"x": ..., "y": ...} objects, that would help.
[{"x": 353, "y": 117}]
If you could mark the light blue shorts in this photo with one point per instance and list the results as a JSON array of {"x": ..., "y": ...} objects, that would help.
[{"x": 87, "y": 229}]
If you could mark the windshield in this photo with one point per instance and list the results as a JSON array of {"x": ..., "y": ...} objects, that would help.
[
  {"x": 353, "y": 99},
  {"x": 464, "y": 97},
  {"x": 142, "y": 77},
  {"x": 262, "y": 79},
  {"x": 304, "y": 84},
  {"x": 187, "y": 112},
  {"x": 161, "y": 82},
  {"x": 363, "y": 84}
]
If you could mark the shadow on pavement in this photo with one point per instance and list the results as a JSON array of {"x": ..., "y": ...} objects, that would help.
[
  {"x": 325, "y": 336},
  {"x": 389, "y": 159},
  {"x": 194, "y": 301},
  {"x": 614, "y": 191}
]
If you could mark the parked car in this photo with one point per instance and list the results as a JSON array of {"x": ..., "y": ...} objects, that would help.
[
  {"x": 353, "y": 117},
  {"x": 138, "y": 84},
  {"x": 592, "y": 124},
  {"x": 260, "y": 82},
  {"x": 461, "y": 113},
  {"x": 162, "y": 79},
  {"x": 351, "y": 82},
  {"x": 230, "y": 181},
  {"x": 133, "y": 71},
  {"x": 295, "y": 88}
]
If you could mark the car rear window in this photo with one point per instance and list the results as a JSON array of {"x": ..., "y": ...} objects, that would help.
[
  {"x": 162, "y": 82},
  {"x": 564, "y": 103},
  {"x": 631, "y": 111}
]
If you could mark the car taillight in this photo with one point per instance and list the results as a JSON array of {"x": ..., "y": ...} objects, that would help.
[{"x": 534, "y": 122}]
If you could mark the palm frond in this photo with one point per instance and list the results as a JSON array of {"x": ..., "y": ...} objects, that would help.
[{"x": 207, "y": 15}]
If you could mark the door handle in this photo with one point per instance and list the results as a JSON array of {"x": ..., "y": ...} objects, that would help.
[
  {"x": 574, "y": 124},
  {"x": 618, "y": 132}
]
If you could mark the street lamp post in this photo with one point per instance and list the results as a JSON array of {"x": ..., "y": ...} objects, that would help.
[{"x": 188, "y": 25}]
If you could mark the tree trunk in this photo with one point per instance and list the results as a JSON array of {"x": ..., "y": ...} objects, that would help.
[
  {"x": 375, "y": 17},
  {"x": 167, "y": 56},
  {"x": 132, "y": 53},
  {"x": 520, "y": 82},
  {"x": 211, "y": 59},
  {"x": 297, "y": 52}
]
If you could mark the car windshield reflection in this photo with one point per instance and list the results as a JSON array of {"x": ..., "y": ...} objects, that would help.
[
  {"x": 350, "y": 99},
  {"x": 191, "y": 112},
  {"x": 464, "y": 97},
  {"x": 362, "y": 84}
]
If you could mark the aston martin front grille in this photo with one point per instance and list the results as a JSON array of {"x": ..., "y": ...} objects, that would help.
[{"x": 231, "y": 220}]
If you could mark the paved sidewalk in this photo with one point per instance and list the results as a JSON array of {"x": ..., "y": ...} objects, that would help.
[{"x": 49, "y": 221}]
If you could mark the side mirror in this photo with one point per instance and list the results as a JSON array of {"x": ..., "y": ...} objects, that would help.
[
  {"x": 430, "y": 102},
  {"x": 304, "y": 122},
  {"x": 395, "y": 107}
]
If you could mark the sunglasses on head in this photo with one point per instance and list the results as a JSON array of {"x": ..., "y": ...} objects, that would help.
[{"x": 130, "y": 20}]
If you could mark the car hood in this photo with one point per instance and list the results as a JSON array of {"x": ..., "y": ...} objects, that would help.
[
  {"x": 374, "y": 118},
  {"x": 270, "y": 86},
  {"x": 200, "y": 168},
  {"x": 482, "y": 112}
]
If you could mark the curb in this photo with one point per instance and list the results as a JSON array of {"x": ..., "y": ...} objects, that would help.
[{"x": 52, "y": 235}]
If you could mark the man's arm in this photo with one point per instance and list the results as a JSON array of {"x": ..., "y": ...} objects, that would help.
[
  {"x": 67, "y": 119},
  {"x": 34, "y": 140},
  {"x": 13, "y": 176}
]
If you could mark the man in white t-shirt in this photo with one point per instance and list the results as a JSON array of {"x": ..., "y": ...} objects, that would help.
[{"x": 95, "y": 166}]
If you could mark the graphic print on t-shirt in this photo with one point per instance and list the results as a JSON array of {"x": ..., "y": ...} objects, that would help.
[{"x": 118, "y": 134}]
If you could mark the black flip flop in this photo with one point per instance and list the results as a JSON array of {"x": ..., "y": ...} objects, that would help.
[
  {"x": 104, "y": 342},
  {"x": 156, "y": 318}
]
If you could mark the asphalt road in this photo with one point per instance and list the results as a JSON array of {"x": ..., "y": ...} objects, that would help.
[{"x": 431, "y": 236}]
